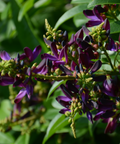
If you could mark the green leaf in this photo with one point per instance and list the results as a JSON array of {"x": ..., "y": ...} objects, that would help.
[
  {"x": 55, "y": 86},
  {"x": 2, "y": 6},
  {"x": 25, "y": 31},
  {"x": 79, "y": 1},
  {"x": 5, "y": 109},
  {"x": 27, "y": 5},
  {"x": 99, "y": 2},
  {"x": 57, "y": 123},
  {"x": 115, "y": 27},
  {"x": 70, "y": 13},
  {"x": 23, "y": 139},
  {"x": 6, "y": 138},
  {"x": 41, "y": 3},
  {"x": 80, "y": 20}
]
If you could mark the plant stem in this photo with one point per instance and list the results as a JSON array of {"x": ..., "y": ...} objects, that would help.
[
  {"x": 108, "y": 58},
  {"x": 47, "y": 77}
]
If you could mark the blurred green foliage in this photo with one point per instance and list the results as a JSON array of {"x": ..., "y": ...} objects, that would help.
[{"x": 22, "y": 25}]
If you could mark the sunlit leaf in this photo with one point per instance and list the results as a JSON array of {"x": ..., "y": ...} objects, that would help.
[
  {"x": 2, "y": 5},
  {"x": 55, "y": 86},
  {"x": 80, "y": 20},
  {"x": 79, "y": 1},
  {"x": 27, "y": 5},
  {"x": 71, "y": 13},
  {"x": 100, "y": 2},
  {"x": 23, "y": 139},
  {"x": 41, "y": 3},
  {"x": 6, "y": 138},
  {"x": 57, "y": 123}
]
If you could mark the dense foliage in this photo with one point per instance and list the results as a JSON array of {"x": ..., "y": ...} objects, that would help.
[{"x": 59, "y": 71}]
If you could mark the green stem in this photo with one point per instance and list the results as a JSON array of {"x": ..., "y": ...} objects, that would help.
[
  {"x": 47, "y": 77},
  {"x": 108, "y": 58}
]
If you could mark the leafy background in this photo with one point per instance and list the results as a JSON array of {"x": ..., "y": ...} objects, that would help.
[{"x": 22, "y": 25}]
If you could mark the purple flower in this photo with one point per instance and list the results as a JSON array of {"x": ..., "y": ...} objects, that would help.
[
  {"x": 28, "y": 88},
  {"x": 94, "y": 15}
]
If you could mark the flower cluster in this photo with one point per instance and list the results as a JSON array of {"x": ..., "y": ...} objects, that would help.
[{"x": 79, "y": 61}]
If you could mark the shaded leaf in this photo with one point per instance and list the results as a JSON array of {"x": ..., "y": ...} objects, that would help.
[
  {"x": 25, "y": 31},
  {"x": 115, "y": 27},
  {"x": 70, "y": 13}
]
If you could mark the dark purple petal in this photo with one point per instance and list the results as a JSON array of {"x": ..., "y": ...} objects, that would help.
[
  {"x": 95, "y": 66},
  {"x": 89, "y": 116},
  {"x": 92, "y": 23},
  {"x": 48, "y": 42},
  {"x": 85, "y": 97},
  {"x": 20, "y": 95},
  {"x": 90, "y": 53},
  {"x": 86, "y": 31},
  {"x": 73, "y": 64},
  {"x": 36, "y": 51},
  {"x": 65, "y": 54},
  {"x": 106, "y": 25},
  {"x": 99, "y": 78},
  {"x": 63, "y": 98},
  {"x": 71, "y": 40},
  {"x": 40, "y": 66},
  {"x": 65, "y": 70},
  {"x": 111, "y": 126},
  {"x": 61, "y": 53},
  {"x": 66, "y": 91},
  {"x": 64, "y": 110},
  {"x": 111, "y": 45},
  {"x": 107, "y": 114},
  {"x": 29, "y": 89},
  {"x": 28, "y": 53},
  {"x": 96, "y": 12},
  {"x": 84, "y": 59},
  {"x": 71, "y": 86},
  {"x": 79, "y": 34},
  {"x": 4, "y": 55},
  {"x": 98, "y": 115},
  {"x": 54, "y": 49},
  {"x": 63, "y": 103},
  {"x": 5, "y": 80},
  {"x": 50, "y": 57},
  {"x": 90, "y": 14}
]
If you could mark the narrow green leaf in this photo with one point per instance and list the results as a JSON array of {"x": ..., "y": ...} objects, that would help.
[
  {"x": 23, "y": 139},
  {"x": 27, "y": 5},
  {"x": 115, "y": 27},
  {"x": 6, "y": 138},
  {"x": 41, "y": 3},
  {"x": 79, "y": 1},
  {"x": 57, "y": 123},
  {"x": 70, "y": 13},
  {"x": 99, "y": 2},
  {"x": 2, "y": 5},
  {"x": 55, "y": 86},
  {"x": 25, "y": 31}
]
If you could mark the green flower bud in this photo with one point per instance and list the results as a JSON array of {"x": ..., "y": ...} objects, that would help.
[{"x": 67, "y": 113}]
